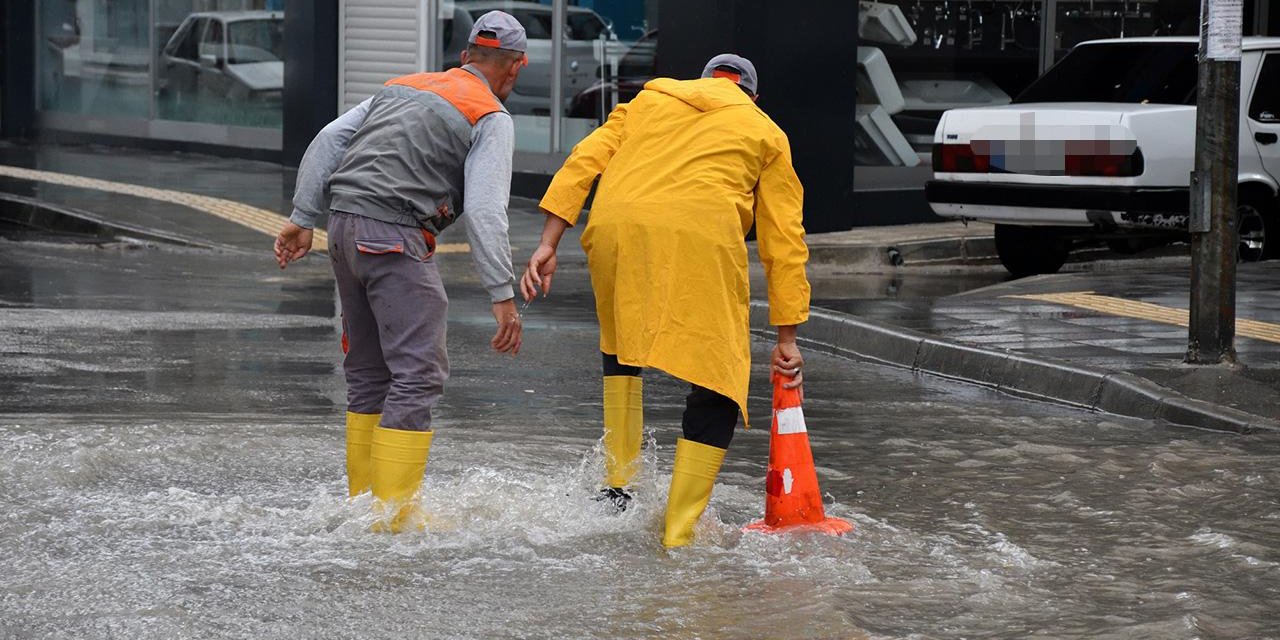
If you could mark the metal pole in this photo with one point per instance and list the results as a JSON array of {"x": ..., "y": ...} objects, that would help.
[
  {"x": 152, "y": 66},
  {"x": 1211, "y": 333},
  {"x": 557, "y": 71},
  {"x": 1048, "y": 34},
  {"x": 431, "y": 36},
  {"x": 342, "y": 56}
]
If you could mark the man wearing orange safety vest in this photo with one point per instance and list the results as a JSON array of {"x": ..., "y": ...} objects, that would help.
[
  {"x": 685, "y": 169},
  {"x": 393, "y": 173}
]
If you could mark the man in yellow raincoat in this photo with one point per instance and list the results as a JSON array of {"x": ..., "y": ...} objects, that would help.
[{"x": 686, "y": 169}]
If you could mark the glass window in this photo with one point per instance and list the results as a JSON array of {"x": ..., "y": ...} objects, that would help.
[
  {"x": 211, "y": 43},
  {"x": 590, "y": 53},
  {"x": 255, "y": 41},
  {"x": 611, "y": 54},
  {"x": 1082, "y": 20},
  {"x": 916, "y": 59},
  {"x": 1265, "y": 105},
  {"x": 1128, "y": 72},
  {"x": 919, "y": 58},
  {"x": 95, "y": 58},
  {"x": 222, "y": 62},
  {"x": 185, "y": 44},
  {"x": 585, "y": 25},
  {"x": 530, "y": 99},
  {"x": 537, "y": 24}
]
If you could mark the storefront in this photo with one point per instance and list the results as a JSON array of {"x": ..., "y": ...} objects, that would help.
[
  {"x": 576, "y": 52},
  {"x": 858, "y": 87},
  {"x": 197, "y": 71},
  {"x": 919, "y": 58}
]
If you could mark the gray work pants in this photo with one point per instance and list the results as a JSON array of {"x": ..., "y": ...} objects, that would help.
[{"x": 393, "y": 312}]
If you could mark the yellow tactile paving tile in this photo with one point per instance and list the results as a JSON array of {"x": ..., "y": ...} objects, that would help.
[
  {"x": 239, "y": 213},
  {"x": 1256, "y": 329}
]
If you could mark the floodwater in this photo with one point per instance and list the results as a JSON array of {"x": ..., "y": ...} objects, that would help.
[{"x": 171, "y": 467}]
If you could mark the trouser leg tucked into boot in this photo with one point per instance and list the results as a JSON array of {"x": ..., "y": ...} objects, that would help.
[
  {"x": 623, "y": 429},
  {"x": 692, "y": 477},
  {"x": 359, "y": 441},
  {"x": 399, "y": 460}
]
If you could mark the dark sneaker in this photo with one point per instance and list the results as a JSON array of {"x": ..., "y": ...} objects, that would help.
[{"x": 618, "y": 497}]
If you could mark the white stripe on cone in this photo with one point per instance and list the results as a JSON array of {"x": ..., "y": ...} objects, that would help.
[{"x": 791, "y": 420}]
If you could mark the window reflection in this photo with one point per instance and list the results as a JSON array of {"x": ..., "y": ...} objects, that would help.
[
  {"x": 532, "y": 93},
  {"x": 919, "y": 58},
  {"x": 94, "y": 57},
  {"x": 614, "y": 61},
  {"x": 208, "y": 61},
  {"x": 637, "y": 65},
  {"x": 223, "y": 67}
]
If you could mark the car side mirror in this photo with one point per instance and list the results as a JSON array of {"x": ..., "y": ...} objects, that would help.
[{"x": 209, "y": 61}]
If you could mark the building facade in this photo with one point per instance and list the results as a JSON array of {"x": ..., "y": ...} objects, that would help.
[{"x": 859, "y": 87}]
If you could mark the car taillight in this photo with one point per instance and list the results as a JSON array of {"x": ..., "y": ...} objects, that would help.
[
  {"x": 1081, "y": 158},
  {"x": 1088, "y": 158},
  {"x": 959, "y": 158}
]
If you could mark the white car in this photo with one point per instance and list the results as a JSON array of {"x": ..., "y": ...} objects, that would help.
[
  {"x": 232, "y": 54},
  {"x": 1101, "y": 148},
  {"x": 532, "y": 93}
]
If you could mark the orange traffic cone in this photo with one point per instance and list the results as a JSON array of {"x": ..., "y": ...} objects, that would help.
[{"x": 792, "y": 499}]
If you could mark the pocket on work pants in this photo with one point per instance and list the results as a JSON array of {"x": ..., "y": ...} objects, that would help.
[
  {"x": 380, "y": 246},
  {"x": 409, "y": 241}
]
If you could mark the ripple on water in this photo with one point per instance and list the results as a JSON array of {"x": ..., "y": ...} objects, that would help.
[{"x": 170, "y": 530}]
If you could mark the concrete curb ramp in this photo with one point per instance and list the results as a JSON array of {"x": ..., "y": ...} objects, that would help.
[
  {"x": 1018, "y": 374},
  {"x": 45, "y": 216},
  {"x": 913, "y": 252}
]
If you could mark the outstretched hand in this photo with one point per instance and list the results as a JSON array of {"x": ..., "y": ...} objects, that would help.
[
  {"x": 292, "y": 243},
  {"x": 508, "y": 337},
  {"x": 542, "y": 265}
]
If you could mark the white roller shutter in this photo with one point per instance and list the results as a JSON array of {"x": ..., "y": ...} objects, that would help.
[{"x": 379, "y": 40}]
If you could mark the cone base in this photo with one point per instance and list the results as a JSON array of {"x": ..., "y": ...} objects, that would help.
[{"x": 829, "y": 526}]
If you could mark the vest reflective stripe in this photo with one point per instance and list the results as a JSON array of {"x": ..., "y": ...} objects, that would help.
[{"x": 467, "y": 93}]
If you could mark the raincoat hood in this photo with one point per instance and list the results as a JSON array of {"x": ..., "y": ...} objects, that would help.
[{"x": 704, "y": 94}]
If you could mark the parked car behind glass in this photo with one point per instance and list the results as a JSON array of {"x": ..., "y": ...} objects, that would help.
[
  {"x": 636, "y": 67},
  {"x": 532, "y": 93},
  {"x": 237, "y": 55}
]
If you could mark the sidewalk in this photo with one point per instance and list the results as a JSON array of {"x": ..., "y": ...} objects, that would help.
[
  {"x": 1095, "y": 339},
  {"x": 198, "y": 200},
  {"x": 1103, "y": 340}
]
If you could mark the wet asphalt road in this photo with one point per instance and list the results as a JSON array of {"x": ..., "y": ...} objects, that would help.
[{"x": 170, "y": 466}]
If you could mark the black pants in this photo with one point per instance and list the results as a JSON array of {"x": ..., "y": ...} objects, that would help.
[{"x": 709, "y": 418}]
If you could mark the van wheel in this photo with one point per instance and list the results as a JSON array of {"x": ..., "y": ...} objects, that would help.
[
  {"x": 1257, "y": 229},
  {"x": 1029, "y": 251}
]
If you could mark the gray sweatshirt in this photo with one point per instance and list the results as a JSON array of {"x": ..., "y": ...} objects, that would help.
[{"x": 488, "y": 189}]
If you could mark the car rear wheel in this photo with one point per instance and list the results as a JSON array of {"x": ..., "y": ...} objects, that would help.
[
  {"x": 1029, "y": 251},
  {"x": 1258, "y": 230}
]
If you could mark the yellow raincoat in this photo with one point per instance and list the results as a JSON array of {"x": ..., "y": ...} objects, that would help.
[{"x": 685, "y": 169}]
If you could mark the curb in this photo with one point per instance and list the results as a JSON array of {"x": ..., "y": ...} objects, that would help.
[
  {"x": 960, "y": 249},
  {"x": 44, "y": 216},
  {"x": 1017, "y": 374}
]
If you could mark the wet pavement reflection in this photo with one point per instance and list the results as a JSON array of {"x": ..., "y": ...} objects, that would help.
[{"x": 995, "y": 317}]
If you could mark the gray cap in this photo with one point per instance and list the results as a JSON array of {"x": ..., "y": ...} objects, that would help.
[
  {"x": 503, "y": 32},
  {"x": 735, "y": 68}
]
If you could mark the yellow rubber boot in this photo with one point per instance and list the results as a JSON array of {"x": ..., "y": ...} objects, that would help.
[
  {"x": 623, "y": 428},
  {"x": 692, "y": 477},
  {"x": 359, "y": 439},
  {"x": 399, "y": 460}
]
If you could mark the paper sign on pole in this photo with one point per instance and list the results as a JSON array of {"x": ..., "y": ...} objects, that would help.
[{"x": 1224, "y": 25}]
